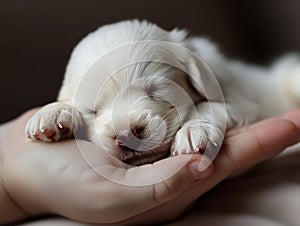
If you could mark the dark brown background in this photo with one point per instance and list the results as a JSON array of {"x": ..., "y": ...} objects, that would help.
[{"x": 37, "y": 36}]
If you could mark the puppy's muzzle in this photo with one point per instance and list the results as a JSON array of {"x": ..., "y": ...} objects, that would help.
[{"x": 130, "y": 139}]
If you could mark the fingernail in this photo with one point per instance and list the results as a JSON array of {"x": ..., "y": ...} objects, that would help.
[{"x": 198, "y": 168}]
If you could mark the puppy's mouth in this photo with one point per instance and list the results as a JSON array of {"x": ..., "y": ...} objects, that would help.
[
  {"x": 137, "y": 147},
  {"x": 137, "y": 158}
]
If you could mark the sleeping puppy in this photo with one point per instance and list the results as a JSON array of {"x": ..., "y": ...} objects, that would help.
[{"x": 143, "y": 93}]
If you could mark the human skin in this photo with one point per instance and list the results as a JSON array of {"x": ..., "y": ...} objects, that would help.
[{"x": 41, "y": 178}]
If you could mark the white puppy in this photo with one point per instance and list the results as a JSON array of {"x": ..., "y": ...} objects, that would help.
[{"x": 142, "y": 93}]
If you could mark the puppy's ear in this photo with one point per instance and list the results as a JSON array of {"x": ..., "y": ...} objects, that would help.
[
  {"x": 200, "y": 74},
  {"x": 176, "y": 54}
]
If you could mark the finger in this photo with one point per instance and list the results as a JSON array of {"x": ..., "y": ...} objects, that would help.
[
  {"x": 260, "y": 141},
  {"x": 147, "y": 186},
  {"x": 166, "y": 180},
  {"x": 171, "y": 193},
  {"x": 243, "y": 129},
  {"x": 293, "y": 116},
  {"x": 171, "y": 175},
  {"x": 241, "y": 151}
]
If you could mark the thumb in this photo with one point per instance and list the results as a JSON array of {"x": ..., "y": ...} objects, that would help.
[
  {"x": 195, "y": 169},
  {"x": 170, "y": 177},
  {"x": 167, "y": 180}
]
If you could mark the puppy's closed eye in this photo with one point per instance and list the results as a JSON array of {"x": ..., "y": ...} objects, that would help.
[
  {"x": 154, "y": 94},
  {"x": 157, "y": 91}
]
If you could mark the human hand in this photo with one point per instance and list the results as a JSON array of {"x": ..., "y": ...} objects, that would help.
[
  {"x": 78, "y": 180},
  {"x": 243, "y": 148},
  {"x": 56, "y": 179}
]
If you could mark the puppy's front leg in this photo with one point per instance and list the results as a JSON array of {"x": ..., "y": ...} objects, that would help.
[
  {"x": 54, "y": 122},
  {"x": 205, "y": 125}
]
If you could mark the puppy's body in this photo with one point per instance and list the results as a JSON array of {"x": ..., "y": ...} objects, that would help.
[{"x": 139, "y": 111}]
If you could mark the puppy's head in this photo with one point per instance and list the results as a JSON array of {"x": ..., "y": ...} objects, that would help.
[
  {"x": 136, "y": 119},
  {"x": 140, "y": 106}
]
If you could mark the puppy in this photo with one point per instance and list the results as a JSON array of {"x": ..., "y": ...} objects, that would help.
[{"x": 143, "y": 93}]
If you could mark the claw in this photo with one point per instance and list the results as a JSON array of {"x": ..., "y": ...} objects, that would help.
[
  {"x": 36, "y": 135},
  {"x": 199, "y": 150},
  {"x": 214, "y": 144},
  {"x": 61, "y": 125},
  {"x": 63, "y": 128}
]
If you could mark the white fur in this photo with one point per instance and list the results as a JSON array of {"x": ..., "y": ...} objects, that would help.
[{"x": 108, "y": 105}]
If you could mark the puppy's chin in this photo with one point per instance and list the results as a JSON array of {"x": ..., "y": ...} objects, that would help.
[
  {"x": 129, "y": 156},
  {"x": 137, "y": 158}
]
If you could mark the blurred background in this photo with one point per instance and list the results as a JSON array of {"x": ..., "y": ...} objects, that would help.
[{"x": 36, "y": 37}]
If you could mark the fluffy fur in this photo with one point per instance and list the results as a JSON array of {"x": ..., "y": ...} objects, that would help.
[{"x": 139, "y": 112}]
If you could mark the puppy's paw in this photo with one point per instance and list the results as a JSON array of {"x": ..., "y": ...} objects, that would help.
[
  {"x": 194, "y": 136},
  {"x": 53, "y": 122}
]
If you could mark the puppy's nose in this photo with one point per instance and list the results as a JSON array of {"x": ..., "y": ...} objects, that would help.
[{"x": 130, "y": 139}]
